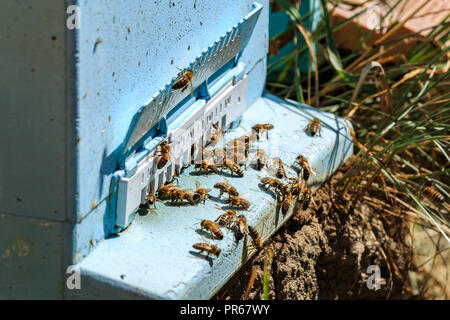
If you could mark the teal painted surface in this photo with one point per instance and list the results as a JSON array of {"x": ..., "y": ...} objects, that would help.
[
  {"x": 278, "y": 22},
  {"x": 153, "y": 257}
]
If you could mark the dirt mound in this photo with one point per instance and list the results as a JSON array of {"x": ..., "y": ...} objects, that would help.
[{"x": 325, "y": 252}]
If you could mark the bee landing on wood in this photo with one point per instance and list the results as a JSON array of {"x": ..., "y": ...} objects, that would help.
[
  {"x": 273, "y": 183},
  {"x": 213, "y": 229},
  {"x": 286, "y": 203},
  {"x": 183, "y": 80},
  {"x": 206, "y": 166},
  {"x": 314, "y": 127},
  {"x": 209, "y": 248}
]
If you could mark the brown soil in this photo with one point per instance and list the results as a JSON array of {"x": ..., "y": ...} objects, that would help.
[{"x": 324, "y": 252}]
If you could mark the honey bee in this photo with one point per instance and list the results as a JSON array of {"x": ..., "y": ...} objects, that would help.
[
  {"x": 177, "y": 197},
  {"x": 225, "y": 187},
  {"x": 304, "y": 164},
  {"x": 433, "y": 194},
  {"x": 216, "y": 135},
  {"x": 166, "y": 191},
  {"x": 213, "y": 229},
  {"x": 226, "y": 219},
  {"x": 286, "y": 203},
  {"x": 164, "y": 154},
  {"x": 209, "y": 248},
  {"x": 274, "y": 183},
  {"x": 257, "y": 242},
  {"x": 201, "y": 194},
  {"x": 306, "y": 198},
  {"x": 279, "y": 168},
  {"x": 298, "y": 186},
  {"x": 233, "y": 167},
  {"x": 261, "y": 159},
  {"x": 183, "y": 80},
  {"x": 151, "y": 199},
  {"x": 238, "y": 202},
  {"x": 314, "y": 127},
  {"x": 206, "y": 166},
  {"x": 241, "y": 227},
  {"x": 260, "y": 128}
]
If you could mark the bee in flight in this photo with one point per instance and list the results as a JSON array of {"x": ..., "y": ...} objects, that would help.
[
  {"x": 433, "y": 194},
  {"x": 314, "y": 127},
  {"x": 209, "y": 248},
  {"x": 183, "y": 80}
]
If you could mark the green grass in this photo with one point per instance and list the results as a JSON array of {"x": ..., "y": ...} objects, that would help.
[{"x": 399, "y": 108}]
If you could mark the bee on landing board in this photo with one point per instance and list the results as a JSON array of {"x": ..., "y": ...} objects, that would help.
[
  {"x": 314, "y": 127},
  {"x": 209, "y": 248},
  {"x": 256, "y": 239},
  {"x": 279, "y": 168},
  {"x": 183, "y": 80},
  {"x": 164, "y": 154},
  {"x": 226, "y": 219},
  {"x": 273, "y": 183},
  {"x": 241, "y": 227},
  {"x": 216, "y": 135},
  {"x": 177, "y": 197},
  {"x": 206, "y": 166},
  {"x": 260, "y": 128},
  {"x": 233, "y": 167},
  {"x": 238, "y": 202},
  {"x": 213, "y": 229},
  {"x": 304, "y": 164},
  {"x": 201, "y": 194},
  {"x": 225, "y": 187},
  {"x": 165, "y": 191},
  {"x": 286, "y": 203}
]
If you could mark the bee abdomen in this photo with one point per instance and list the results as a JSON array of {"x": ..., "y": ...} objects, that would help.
[
  {"x": 162, "y": 162},
  {"x": 434, "y": 195}
]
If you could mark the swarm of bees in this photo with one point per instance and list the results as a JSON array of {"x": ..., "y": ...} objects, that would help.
[{"x": 232, "y": 157}]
